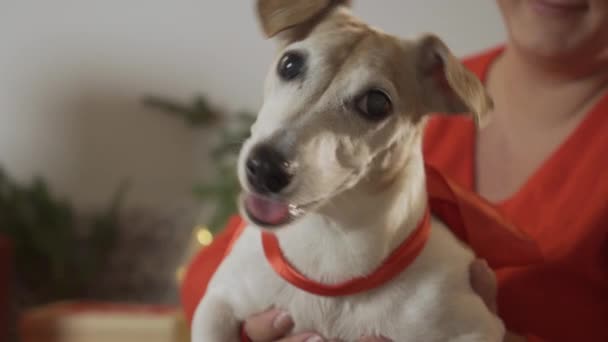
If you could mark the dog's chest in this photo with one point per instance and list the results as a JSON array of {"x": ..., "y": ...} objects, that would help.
[
  {"x": 402, "y": 307},
  {"x": 391, "y": 310}
]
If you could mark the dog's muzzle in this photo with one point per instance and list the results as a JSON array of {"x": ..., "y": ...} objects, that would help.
[
  {"x": 268, "y": 174},
  {"x": 268, "y": 171}
]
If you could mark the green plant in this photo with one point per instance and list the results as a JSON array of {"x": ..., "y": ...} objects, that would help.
[
  {"x": 222, "y": 187},
  {"x": 198, "y": 113},
  {"x": 55, "y": 257}
]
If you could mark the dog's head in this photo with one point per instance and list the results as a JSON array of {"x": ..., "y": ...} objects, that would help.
[{"x": 343, "y": 102}]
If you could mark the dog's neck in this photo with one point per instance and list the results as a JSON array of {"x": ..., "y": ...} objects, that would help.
[{"x": 353, "y": 234}]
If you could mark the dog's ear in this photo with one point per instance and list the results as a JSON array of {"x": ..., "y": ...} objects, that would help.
[
  {"x": 277, "y": 16},
  {"x": 447, "y": 85}
]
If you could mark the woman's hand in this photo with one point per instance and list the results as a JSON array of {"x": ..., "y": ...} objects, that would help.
[{"x": 274, "y": 326}]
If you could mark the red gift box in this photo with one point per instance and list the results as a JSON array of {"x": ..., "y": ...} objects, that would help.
[{"x": 101, "y": 322}]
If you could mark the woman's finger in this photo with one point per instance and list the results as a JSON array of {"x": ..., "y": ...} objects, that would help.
[{"x": 268, "y": 326}]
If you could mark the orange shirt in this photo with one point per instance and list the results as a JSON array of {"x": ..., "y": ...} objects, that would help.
[{"x": 564, "y": 207}]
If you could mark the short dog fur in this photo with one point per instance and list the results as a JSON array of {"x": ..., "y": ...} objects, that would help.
[{"x": 347, "y": 123}]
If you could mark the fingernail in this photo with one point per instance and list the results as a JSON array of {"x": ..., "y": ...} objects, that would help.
[
  {"x": 282, "y": 321},
  {"x": 314, "y": 339}
]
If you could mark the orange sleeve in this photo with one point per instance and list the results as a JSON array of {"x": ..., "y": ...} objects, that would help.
[{"x": 203, "y": 266}]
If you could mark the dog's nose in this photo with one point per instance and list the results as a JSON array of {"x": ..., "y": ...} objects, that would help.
[{"x": 268, "y": 171}]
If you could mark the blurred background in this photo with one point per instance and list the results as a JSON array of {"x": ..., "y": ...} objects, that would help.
[{"x": 119, "y": 123}]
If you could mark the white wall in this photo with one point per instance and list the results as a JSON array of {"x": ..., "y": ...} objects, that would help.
[{"x": 72, "y": 74}]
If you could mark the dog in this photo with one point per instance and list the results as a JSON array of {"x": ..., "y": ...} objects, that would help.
[{"x": 333, "y": 169}]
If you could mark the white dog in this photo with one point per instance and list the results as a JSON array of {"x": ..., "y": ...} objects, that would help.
[{"x": 333, "y": 173}]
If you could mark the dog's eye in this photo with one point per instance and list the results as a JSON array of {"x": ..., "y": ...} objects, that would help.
[
  {"x": 374, "y": 105},
  {"x": 291, "y": 65}
]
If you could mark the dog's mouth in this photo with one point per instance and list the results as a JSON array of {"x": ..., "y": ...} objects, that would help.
[{"x": 271, "y": 213}]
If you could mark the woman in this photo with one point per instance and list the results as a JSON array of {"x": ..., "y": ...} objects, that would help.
[{"x": 542, "y": 161}]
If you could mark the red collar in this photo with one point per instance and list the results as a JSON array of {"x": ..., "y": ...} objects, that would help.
[
  {"x": 472, "y": 220},
  {"x": 396, "y": 262}
]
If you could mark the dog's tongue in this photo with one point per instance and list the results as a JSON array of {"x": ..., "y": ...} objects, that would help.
[{"x": 265, "y": 210}]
